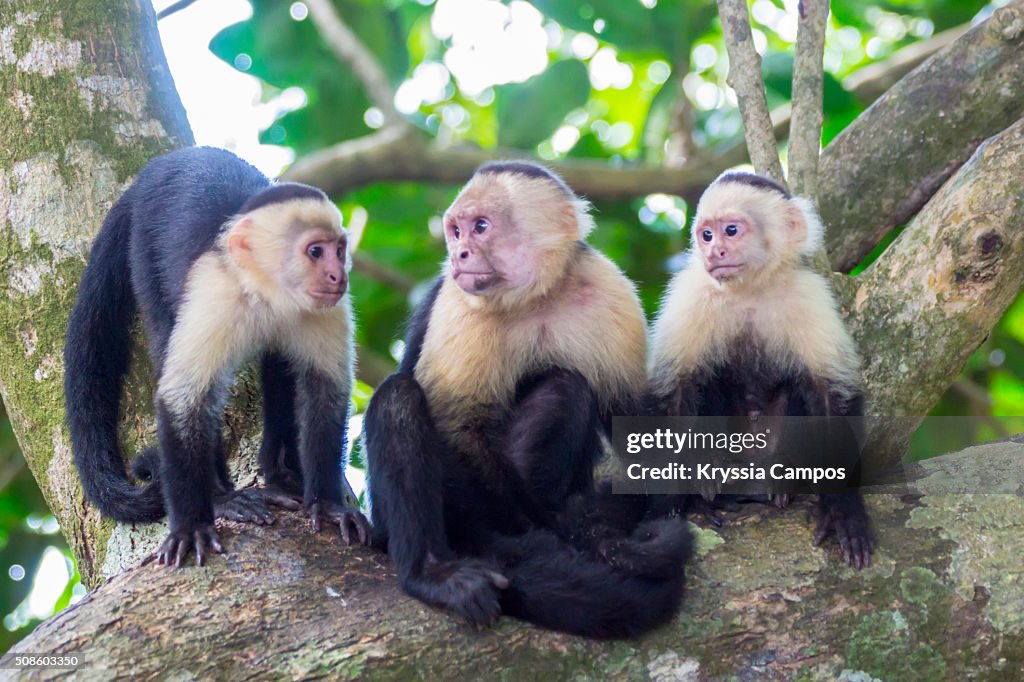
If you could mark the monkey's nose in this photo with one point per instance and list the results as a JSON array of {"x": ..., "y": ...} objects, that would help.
[
  {"x": 332, "y": 277},
  {"x": 721, "y": 253},
  {"x": 463, "y": 255}
]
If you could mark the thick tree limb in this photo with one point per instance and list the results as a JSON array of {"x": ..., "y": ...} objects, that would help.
[
  {"x": 885, "y": 165},
  {"x": 808, "y": 81},
  {"x": 347, "y": 46},
  {"x": 938, "y": 603},
  {"x": 921, "y": 310},
  {"x": 745, "y": 79},
  {"x": 397, "y": 155}
]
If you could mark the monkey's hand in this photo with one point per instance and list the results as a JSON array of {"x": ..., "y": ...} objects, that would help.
[
  {"x": 846, "y": 516},
  {"x": 347, "y": 518},
  {"x": 469, "y": 588},
  {"x": 246, "y": 505},
  {"x": 178, "y": 545}
]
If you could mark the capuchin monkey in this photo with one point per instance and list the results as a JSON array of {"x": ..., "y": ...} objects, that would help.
[
  {"x": 746, "y": 328},
  {"x": 482, "y": 445},
  {"x": 222, "y": 265}
]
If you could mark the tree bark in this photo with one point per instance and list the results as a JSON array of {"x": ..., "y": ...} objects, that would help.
[
  {"x": 85, "y": 100},
  {"x": 941, "y": 601},
  {"x": 879, "y": 172},
  {"x": 933, "y": 297}
]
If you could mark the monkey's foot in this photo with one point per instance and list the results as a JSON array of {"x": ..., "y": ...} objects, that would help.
[
  {"x": 469, "y": 588},
  {"x": 243, "y": 505},
  {"x": 850, "y": 524},
  {"x": 347, "y": 518},
  {"x": 178, "y": 545}
]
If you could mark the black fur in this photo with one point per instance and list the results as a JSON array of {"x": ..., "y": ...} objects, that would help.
[
  {"x": 527, "y": 168},
  {"x": 170, "y": 216},
  {"x": 751, "y": 381},
  {"x": 753, "y": 180},
  {"x": 514, "y": 527}
]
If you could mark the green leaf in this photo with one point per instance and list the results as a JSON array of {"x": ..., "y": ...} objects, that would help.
[{"x": 530, "y": 112}]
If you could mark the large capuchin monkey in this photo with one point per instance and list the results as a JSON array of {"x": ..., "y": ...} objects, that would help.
[
  {"x": 481, "y": 446},
  {"x": 222, "y": 265},
  {"x": 746, "y": 328}
]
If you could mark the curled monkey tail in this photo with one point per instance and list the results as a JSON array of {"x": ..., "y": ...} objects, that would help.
[
  {"x": 96, "y": 356},
  {"x": 557, "y": 586}
]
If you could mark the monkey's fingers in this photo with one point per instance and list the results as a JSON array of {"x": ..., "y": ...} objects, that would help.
[
  {"x": 824, "y": 529},
  {"x": 205, "y": 539},
  {"x": 244, "y": 507},
  {"x": 280, "y": 497}
]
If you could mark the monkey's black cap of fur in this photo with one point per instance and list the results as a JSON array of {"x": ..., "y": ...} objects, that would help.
[
  {"x": 527, "y": 168},
  {"x": 281, "y": 193},
  {"x": 754, "y": 180}
]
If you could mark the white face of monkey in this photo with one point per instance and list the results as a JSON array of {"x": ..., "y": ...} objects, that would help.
[
  {"x": 741, "y": 231},
  {"x": 506, "y": 233},
  {"x": 295, "y": 253}
]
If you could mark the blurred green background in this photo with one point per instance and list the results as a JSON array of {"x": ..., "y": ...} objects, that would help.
[{"x": 604, "y": 84}]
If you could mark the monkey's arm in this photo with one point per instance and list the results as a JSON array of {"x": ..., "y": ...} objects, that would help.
[
  {"x": 845, "y": 515},
  {"x": 407, "y": 484},
  {"x": 554, "y": 439},
  {"x": 322, "y": 412}
]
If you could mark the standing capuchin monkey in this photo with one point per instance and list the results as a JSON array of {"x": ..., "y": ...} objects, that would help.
[
  {"x": 222, "y": 265},
  {"x": 478, "y": 446},
  {"x": 748, "y": 329}
]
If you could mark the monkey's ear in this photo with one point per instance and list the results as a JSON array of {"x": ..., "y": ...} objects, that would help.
[
  {"x": 811, "y": 231},
  {"x": 238, "y": 243}
]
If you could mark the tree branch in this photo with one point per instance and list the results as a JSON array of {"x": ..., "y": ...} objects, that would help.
[
  {"x": 288, "y": 603},
  {"x": 922, "y": 309},
  {"x": 403, "y": 155},
  {"x": 350, "y": 50},
  {"x": 808, "y": 80},
  {"x": 379, "y": 272},
  {"x": 884, "y": 166},
  {"x": 745, "y": 78}
]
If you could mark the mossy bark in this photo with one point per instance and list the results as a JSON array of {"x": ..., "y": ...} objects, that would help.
[
  {"x": 879, "y": 172},
  {"x": 943, "y": 600},
  {"x": 85, "y": 100}
]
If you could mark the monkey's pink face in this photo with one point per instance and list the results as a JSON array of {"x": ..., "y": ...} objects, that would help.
[
  {"x": 485, "y": 253},
  {"x": 729, "y": 245},
  {"x": 326, "y": 280}
]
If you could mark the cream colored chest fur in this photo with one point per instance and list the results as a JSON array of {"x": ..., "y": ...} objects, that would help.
[
  {"x": 593, "y": 323},
  {"x": 794, "y": 316}
]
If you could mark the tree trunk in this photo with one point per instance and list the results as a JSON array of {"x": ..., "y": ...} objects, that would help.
[
  {"x": 942, "y": 600},
  {"x": 85, "y": 100}
]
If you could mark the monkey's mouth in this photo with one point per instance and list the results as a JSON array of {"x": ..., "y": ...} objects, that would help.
[
  {"x": 725, "y": 271},
  {"x": 327, "y": 298},
  {"x": 473, "y": 282}
]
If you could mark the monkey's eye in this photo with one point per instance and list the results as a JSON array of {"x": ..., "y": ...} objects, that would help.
[
  {"x": 731, "y": 230},
  {"x": 315, "y": 251},
  {"x": 341, "y": 253},
  {"x": 707, "y": 236},
  {"x": 480, "y": 225},
  {"x": 456, "y": 232}
]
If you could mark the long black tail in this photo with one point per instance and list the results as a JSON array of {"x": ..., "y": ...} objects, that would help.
[
  {"x": 96, "y": 356},
  {"x": 557, "y": 586}
]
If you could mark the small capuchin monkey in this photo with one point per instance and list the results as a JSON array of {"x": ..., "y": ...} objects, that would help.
[
  {"x": 221, "y": 264},
  {"x": 482, "y": 442},
  {"x": 746, "y": 328}
]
